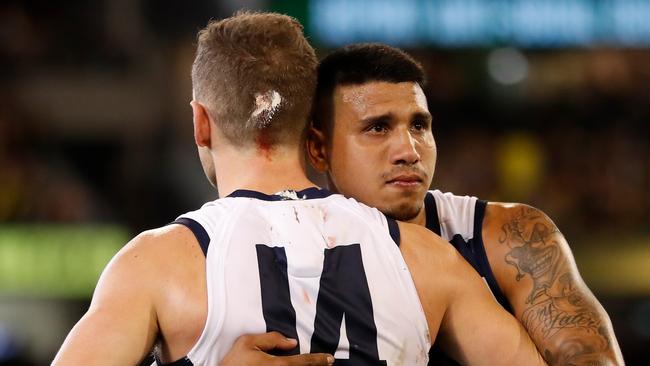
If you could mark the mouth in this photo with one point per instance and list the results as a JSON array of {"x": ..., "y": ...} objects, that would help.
[{"x": 405, "y": 180}]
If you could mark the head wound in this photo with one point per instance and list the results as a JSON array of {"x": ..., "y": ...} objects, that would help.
[{"x": 266, "y": 105}]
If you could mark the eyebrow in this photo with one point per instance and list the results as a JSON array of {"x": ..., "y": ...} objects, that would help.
[
  {"x": 381, "y": 118},
  {"x": 388, "y": 117},
  {"x": 422, "y": 115}
]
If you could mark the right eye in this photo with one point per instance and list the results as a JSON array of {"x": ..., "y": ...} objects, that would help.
[{"x": 377, "y": 128}]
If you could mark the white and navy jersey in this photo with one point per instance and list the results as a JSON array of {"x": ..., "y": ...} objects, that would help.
[
  {"x": 315, "y": 266},
  {"x": 459, "y": 220}
]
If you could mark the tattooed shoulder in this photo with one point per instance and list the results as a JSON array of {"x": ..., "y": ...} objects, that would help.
[{"x": 534, "y": 251}]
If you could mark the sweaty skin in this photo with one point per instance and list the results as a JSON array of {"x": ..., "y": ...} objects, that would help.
[{"x": 382, "y": 129}]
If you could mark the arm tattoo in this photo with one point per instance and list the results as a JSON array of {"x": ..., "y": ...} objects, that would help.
[{"x": 554, "y": 304}]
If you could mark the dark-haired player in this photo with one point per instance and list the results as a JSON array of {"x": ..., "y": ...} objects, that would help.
[{"x": 369, "y": 115}]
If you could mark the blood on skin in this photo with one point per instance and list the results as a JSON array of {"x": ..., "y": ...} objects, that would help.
[{"x": 265, "y": 143}]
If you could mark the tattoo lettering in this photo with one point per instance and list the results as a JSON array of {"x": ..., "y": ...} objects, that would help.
[{"x": 552, "y": 314}]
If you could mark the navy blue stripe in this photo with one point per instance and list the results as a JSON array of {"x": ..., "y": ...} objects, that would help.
[
  {"x": 431, "y": 210},
  {"x": 481, "y": 256},
  {"x": 182, "y": 362},
  {"x": 393, "y": 229},
  {"x": 198, "y": 230},
  {"x": 305, "y": 194},
  {"x": 279, "y": 314}
]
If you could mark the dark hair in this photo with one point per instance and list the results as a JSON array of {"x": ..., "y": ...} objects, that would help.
[
  {"x": 256, "y": 73},
  {"x": 358, "y": 64}
]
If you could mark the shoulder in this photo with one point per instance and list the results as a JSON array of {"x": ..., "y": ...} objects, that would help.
[
  {"x": 523, "y": 245},
  {"x": 514, "y": 208},
  {"x": 162, "y": 255},
  {"x": 503, "y": 218},
  {"x": 348, "y": 206},
  {"x": 156, "y": 247},
  {"x": 420, "y": 239},
  {"x": 427, "y": 252}
]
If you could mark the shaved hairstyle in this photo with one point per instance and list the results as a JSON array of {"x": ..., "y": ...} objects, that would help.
[{"x": 256, "y": 74}]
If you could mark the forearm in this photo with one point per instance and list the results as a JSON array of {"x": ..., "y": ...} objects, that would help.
[
  {"x": 476, "y": 330},
  {"x": 493, "y": 338},
  {"x": 519, "y": 351},
  {"x": 572, "y": 330}
]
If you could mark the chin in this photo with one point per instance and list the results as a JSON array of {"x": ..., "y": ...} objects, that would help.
[{"x": 402, "y": 212}]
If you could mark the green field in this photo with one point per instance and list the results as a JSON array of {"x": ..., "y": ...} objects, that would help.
[{"x": 55, "y": 260}]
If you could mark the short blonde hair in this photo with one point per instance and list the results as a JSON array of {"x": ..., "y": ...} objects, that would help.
[{"x": 256, "y": 75}]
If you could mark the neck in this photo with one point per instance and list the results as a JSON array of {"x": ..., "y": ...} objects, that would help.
[{"x": 266, "y": 170}]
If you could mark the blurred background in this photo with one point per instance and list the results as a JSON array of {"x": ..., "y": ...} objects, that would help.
[{"x": 539, "y": 101}]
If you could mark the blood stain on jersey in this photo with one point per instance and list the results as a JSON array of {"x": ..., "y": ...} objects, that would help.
[
  {"x": 305, "y": 296},
  {"x": 295, "y": 212},
  {"x": 323, "y": 213}
]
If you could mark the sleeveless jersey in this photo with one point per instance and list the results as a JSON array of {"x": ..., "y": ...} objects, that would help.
[
  {"x": 459, "y": 220},
  {"x": 315, "y": 266}
]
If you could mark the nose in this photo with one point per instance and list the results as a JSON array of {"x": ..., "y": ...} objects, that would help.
[{"x": 405, "y": 149}]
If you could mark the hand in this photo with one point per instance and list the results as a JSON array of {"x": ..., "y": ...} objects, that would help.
[{"x": 251, "y": 350}]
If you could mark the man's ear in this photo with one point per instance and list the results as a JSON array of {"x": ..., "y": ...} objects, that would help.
[
  {"x": 201, "y": 121},
  {"x": 317, "y": 149}
]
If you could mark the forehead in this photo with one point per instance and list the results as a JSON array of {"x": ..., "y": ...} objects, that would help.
[{"x": 380, "y": 97}]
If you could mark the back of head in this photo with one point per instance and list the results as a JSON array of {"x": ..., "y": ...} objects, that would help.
[
  {"x": 359, "y": 64},
  {"x": 255, "y": 73}
]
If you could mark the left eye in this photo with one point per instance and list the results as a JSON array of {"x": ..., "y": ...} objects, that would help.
[{"x": 419, "y": 125}]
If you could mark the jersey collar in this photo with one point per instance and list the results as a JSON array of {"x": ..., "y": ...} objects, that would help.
[{"x": 286, "y": 195}]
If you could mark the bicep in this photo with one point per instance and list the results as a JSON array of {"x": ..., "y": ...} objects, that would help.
[
  {"x": 477, "y": 330},
  {"x": 535, "y": 266},
  {"x": 119, "y": 328}
]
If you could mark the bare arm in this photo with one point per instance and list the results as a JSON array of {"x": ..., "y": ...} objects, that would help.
[
  {"x": 473, "y": 328},
  {"x": 120, "y": 326},
  {"x": 537, "y": 272}
]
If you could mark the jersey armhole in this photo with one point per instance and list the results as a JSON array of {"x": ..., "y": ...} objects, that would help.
[
  {"x": 393, "y": 230},
  {"x": 197, "y": 229},
  {"x": 481, "y": 257},
  {"x": 431, "y": 211}
]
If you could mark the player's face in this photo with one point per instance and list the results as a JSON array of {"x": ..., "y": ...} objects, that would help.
[{"x": 382, "y": 150}]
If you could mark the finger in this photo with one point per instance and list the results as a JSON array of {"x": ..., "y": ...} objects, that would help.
[
  {"x": 268, "y": 341},
  {"x": 285, "y": 344},
  {"x": 310, "y": 359}
]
